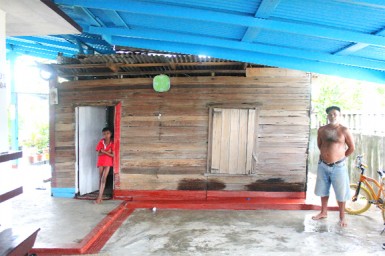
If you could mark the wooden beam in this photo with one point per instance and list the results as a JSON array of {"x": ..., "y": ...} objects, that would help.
[
  {"x": 155, "y": 72},
  {"x": 113, "y": 66},
  {"x": 6, "y": 193},
  {"x": 142, "y": 65},
  {"x": 172, "y": 65},
  {"x": 251, "y": 72},
  {"x": 8, "y": 156}
]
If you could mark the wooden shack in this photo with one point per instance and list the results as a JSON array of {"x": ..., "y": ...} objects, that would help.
[{"x": 223, "y": 128}]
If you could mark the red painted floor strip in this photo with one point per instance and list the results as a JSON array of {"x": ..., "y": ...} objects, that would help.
[{"x": 102, "y": 239}]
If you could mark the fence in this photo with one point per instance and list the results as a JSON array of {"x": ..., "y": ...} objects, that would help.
[{"x": 358, "y": 122}]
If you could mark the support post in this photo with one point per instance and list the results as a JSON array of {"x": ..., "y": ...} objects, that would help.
[
  {"x": 14, "y": 113},
  {"x": 3, "y": 88}
]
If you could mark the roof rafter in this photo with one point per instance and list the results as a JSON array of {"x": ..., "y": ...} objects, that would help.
[
  {"x": 48, "y": 42},
  {"x": 40, "y": 47},
  {"x": 31, "y": 51},
  {"x": 264, "y": 10},
  {"x": 357, "y": 46},
  {"x": 227, "y": 18},
  {"x": 253, "y": 57},
  {"x": 244, "y": 46}
]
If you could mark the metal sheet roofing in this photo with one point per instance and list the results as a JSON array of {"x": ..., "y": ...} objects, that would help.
[
  {"x": 334, "y": 37},
  {"x": 144, "y": 64}
]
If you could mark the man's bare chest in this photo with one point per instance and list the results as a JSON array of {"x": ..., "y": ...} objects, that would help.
[{"x": 332, "y": 136}]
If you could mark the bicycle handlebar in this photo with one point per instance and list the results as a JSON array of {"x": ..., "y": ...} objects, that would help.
[{"x": 360, "y": 165}]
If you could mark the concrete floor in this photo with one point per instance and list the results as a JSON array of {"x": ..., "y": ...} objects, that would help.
[
  {"x": 190, "y": 232},
  {"x": 266, "y": 232}
]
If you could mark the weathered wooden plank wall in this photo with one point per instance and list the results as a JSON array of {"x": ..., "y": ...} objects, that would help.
[{"x": 164, "y": 136}]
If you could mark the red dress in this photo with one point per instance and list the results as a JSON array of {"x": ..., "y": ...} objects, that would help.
[{"x": 105, "y": 160}]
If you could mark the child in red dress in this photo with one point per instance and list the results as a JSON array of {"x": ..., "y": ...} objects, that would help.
[{"x": 105, "y": 149}]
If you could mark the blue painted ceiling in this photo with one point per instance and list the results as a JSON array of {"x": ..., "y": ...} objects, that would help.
[{"x": 334, "y": 37}]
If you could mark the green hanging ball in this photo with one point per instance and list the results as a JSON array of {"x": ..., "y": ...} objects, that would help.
[{"x": 161, "y": 83}]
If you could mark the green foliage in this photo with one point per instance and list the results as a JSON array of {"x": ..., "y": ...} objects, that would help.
[
  {"x": 328, "y": 91},
  {"x": 39, "y": 139},
  {"x": 381, "y": 92}
]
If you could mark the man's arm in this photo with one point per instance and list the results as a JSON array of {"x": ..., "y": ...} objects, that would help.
[
  {"x": 319, "y": 141},
  {"x": 349, "y": 142}
]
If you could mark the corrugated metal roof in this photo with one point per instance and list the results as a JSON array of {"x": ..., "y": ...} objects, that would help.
[
  {"x": 335, "y": 37},
  {"x": 145, "y": 64}
]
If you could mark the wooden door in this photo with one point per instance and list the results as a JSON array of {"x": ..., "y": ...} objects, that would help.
[{"x": 90, "y": 121}]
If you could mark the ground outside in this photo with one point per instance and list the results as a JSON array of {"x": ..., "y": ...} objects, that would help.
[{"x": 80, "y": 227}]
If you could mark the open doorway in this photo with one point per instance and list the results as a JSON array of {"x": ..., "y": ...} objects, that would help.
[{"x": 90, "y": 120}]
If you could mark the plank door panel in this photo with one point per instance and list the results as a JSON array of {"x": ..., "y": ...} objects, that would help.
[
  {"x": 216, "y": 140},
  {"x": 243, "y": 139},
  {"x": 90, "y": 122},
  {"x": 225, "y": 142},
  {"x": 251, "y": 139},
  {"x": 234, "y": 141}
]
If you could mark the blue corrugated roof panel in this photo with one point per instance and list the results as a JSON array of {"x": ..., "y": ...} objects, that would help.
[
  {"x": 299, "y": 41},
  {"x": 178, "y": 25},
  {"x": 233, "y": 6},
  {"x": 340, "y": 14}
]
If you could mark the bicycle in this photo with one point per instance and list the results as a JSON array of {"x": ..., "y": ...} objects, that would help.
[{"x": 364, "y": 192}]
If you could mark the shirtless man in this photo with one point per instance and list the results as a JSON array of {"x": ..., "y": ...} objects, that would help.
[{"x": 335, "y": 143}]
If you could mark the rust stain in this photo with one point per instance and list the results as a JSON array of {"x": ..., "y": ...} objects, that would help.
[{"x": 275, "y": 185}]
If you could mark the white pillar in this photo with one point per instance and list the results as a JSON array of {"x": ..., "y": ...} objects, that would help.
[{"x": 3, "y": 88}]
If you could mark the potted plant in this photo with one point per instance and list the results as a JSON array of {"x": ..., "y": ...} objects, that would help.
[
  {"x": 31, "y": 148},
  {"x": 36, "y": 143},
  {"x": 42, "y": 141}
]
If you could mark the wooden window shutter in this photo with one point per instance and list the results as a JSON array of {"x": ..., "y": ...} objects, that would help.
[{"x": 232, "y": 141}]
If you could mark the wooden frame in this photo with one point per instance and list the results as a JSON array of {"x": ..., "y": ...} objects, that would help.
[
  {"x": 117, "y": 130},
  {"x": 256, "y": 106}
]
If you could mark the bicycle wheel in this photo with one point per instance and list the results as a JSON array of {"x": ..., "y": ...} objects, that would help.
[{"x": 361, "y": 204}]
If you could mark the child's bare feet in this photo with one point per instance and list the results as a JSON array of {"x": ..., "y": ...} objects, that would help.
[
  {"x": 320, "y": 216},
  {"x": 98, "y": 201}
]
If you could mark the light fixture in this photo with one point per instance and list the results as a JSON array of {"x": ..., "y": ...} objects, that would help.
[
  {"x": 161, "y": 83},
  {"x": 46, "y": 75}
]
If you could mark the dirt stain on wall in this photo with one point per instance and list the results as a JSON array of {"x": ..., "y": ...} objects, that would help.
[
  {"x": 200, "y": 184},
  {"x": 275, "y": 185}
]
